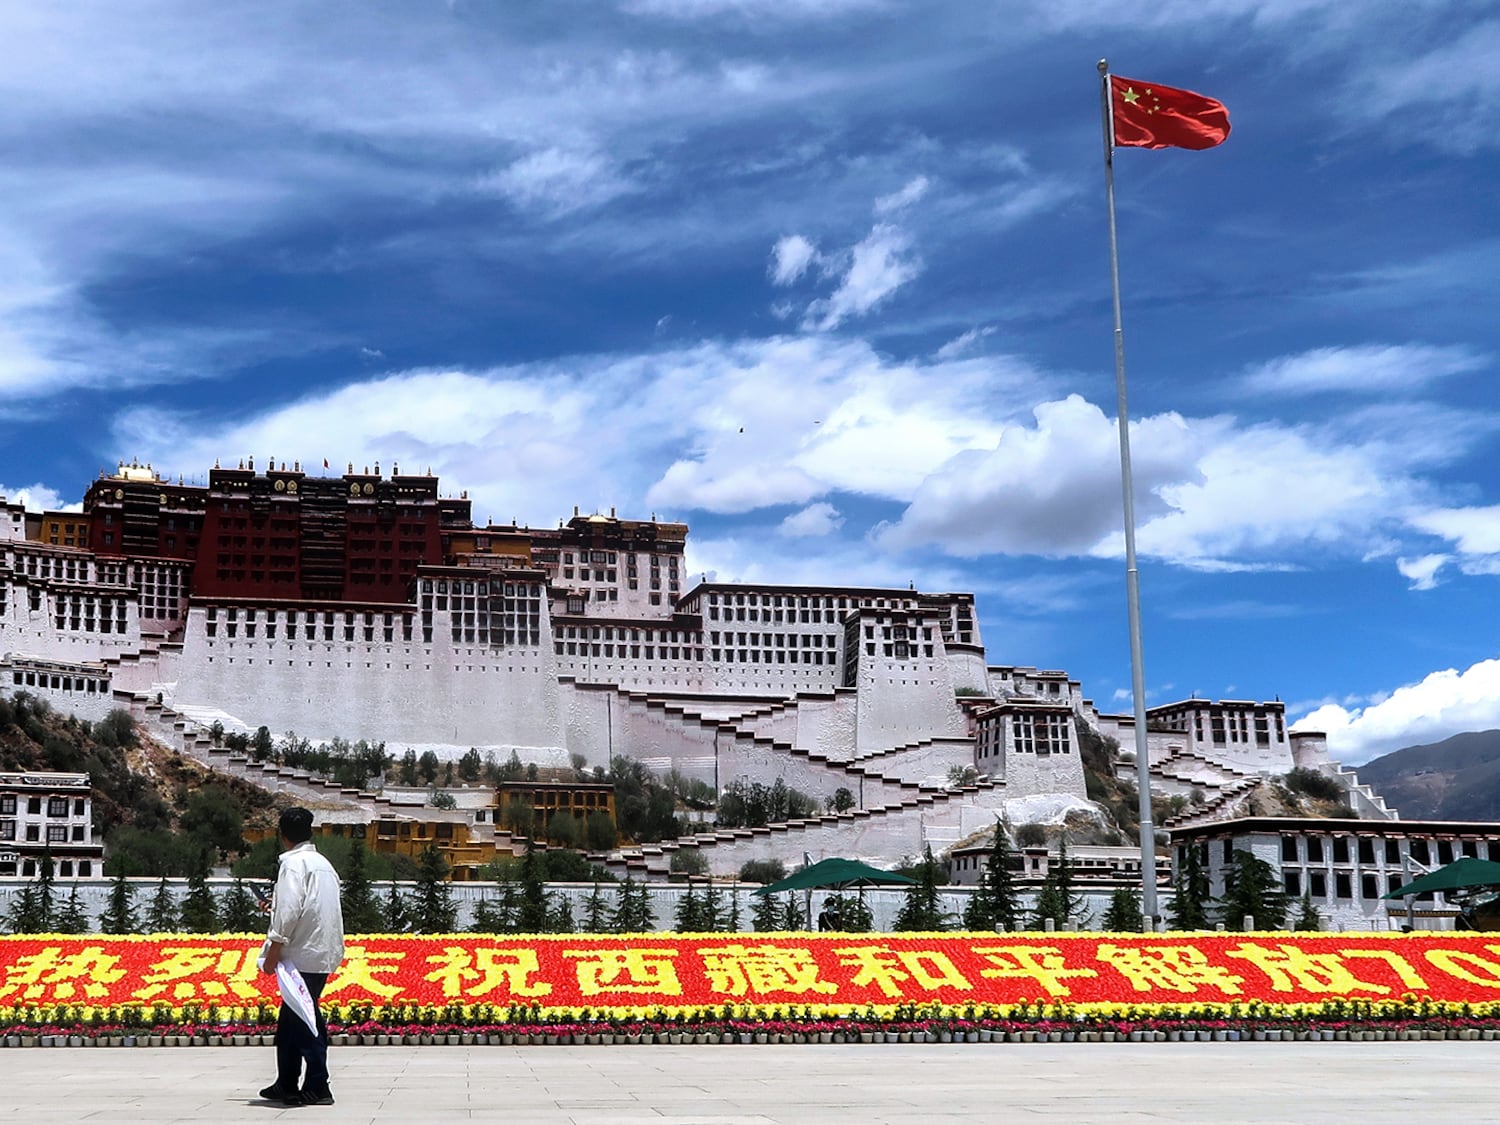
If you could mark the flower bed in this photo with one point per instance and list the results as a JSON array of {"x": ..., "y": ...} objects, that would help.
[{"x": 194, "y": 988}]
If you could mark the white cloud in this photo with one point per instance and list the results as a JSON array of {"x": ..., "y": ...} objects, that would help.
[
  {"x": 1440, "y": 705},
  {"x": 39, "y": 498},
  {"x": 1422, "y": 572},
  {"x": 727, "y": 427},
  {"x": 1453, "y": 89},
  {"x": 1049, "y": 489},
  {"x": 914, "y": 190},
  {"x": 1474, "y": 531},
  {"x": 1371, "y": 369},
  {"x": 813, "y": 521},
  {"x": 558, "y": 181},
  {"x": 879, "y": 264},
  {"x": 1212, "y": 494},
  {"x": 790, "y": 258},
  {"x": 964, "y": 343}
]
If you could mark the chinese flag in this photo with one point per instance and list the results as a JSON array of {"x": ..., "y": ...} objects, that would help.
[{"x": 1151, "y": 116}]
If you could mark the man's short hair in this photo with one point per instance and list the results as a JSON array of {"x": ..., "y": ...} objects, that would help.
[{"x": 296, "y": 824}]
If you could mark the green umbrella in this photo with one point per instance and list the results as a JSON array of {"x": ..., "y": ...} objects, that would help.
[
  {"x": 1466, "y": 874},
  {"x": 837, "y": 873}
]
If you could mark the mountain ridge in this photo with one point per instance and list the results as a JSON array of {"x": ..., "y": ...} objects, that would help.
[{"x": 1455, "y": 779}]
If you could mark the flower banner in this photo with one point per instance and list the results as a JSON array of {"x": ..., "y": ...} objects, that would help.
[{"x": 824, "y": 972}]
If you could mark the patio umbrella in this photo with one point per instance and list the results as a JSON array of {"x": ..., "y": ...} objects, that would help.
[
  {"x": 1465, "y": 874},
  {"x": 837, "y": 873}
]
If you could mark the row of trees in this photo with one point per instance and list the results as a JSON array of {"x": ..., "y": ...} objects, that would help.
[
  {"x": 39, "y": 909},
  {"x": 1252, "y": 889}
]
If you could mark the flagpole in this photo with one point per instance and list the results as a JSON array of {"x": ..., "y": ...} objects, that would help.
[{"x": 1127, "y": 487}]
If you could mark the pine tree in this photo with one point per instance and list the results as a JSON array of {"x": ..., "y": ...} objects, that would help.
[
  {"x": 200, "y": 914},
  {"x": 712, "y": 919},
  {"x": 633, "y": 912},
  {"x": 994, "y": 903},
  {"x": 362, "y": 913},
  {"x": 793, "y": 920},
  {"x": 396, "y": 912},
  {"x": 161, "y": 911},
  {"x": 119, "y": 915},
  {"x": 1308, "y": 917},
  {"x": 922, "y": 909},
  {"x": 560, "y": 917},
  {"x": 1190, "y": 893},
  {"x": 765, "y": 917},
  {"x": 1057, "y": 900},
  {"x": 71, "y": 917},
  {"x": 46, "y": 894},
  {"x": 486, "y": 916},
  {"x": 855, "y": 916},
  {"x": 23, "y": 917},
  {"x": 689, "y": 913},
  {"x": 508, "y": 913},
  {"x": 238, "y": 913},
  {"x": 732, "y": 922},
  {"x": 534, "y": 906},
  {"x": 1124, "y": 913},
  {"x": 1251, "y": 887},
  {"x": 596, "y": 912},
  {"x": 433, "y": 911}
]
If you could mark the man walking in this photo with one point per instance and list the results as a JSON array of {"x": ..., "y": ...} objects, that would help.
[{"x": 306, "y": 934}]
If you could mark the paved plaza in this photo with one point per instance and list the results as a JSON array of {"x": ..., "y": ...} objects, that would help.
[{"x": 1368, "y": 1083}]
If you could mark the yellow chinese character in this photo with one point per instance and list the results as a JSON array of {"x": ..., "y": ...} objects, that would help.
[
  {"x": 181, "y": 966},
  {"x": 1170, "y": 968},
  {"x": 626, "y": 970},
  {"x": 458, "y": 966},
  {"x": 360, "y": 968},
  {"x": 885, "y": 968},
  {"x": 1042, "y": 963},
  {"x": 48, "y": 975},
  {"x": 1468, "y": 966},
  {"x": 737, "y": 969},
  {"x": 1399, "y": 965},
  {"x": 1291, "y": 967}
]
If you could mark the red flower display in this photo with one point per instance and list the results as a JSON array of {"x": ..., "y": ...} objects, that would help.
[{"x": 600, "y": 973}]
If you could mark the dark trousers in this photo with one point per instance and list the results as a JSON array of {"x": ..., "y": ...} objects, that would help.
[{"x": 295, "y": 1043}]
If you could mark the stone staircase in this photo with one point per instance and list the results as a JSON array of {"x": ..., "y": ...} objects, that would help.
[
  {"x": 1219, "y": 807},
  {"x": 728, "y": 848}
]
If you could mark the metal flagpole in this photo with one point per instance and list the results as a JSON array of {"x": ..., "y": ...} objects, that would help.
[{"x": 1127, "y": 486}]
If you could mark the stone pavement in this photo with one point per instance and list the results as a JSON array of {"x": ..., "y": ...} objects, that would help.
[{"x": 893, "y": 1084}]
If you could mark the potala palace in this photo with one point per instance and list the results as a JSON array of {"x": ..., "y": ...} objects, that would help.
[{"x": 366, "y": 605}]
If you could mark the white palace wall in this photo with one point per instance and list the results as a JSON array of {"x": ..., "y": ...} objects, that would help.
[{"x": 466, "y": 694}]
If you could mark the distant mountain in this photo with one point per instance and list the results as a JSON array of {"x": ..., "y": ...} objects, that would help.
[{"x": 1455, "y": 779}]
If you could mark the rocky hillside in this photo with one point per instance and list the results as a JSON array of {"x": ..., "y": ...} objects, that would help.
[
  {"x": 136, "y": 782},
  {"x": 1456, "y": 779}
]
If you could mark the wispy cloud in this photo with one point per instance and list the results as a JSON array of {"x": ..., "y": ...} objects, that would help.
[
  {"x": 879, "y": 264},
  {"x": 790, "y": 258},
  {"x": 1374, "y": 369}
]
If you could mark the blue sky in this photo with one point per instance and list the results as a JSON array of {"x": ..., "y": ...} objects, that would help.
[{"x": 826, "y": 279}]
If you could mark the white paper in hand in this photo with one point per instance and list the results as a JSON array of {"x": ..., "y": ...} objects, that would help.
[{"x": 294, "y": 994}]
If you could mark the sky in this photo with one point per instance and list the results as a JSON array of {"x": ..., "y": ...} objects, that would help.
[{"x": 827, "y": 280}]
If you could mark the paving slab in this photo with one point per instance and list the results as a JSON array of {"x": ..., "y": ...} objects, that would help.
[{"x": 892, "y": 1084}]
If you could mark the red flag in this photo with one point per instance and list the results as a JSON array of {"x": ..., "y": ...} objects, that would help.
[
  {"x": 325, "y": 462},
  {"x": 1151, "y": 116}
]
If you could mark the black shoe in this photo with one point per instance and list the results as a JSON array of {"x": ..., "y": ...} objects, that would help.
[
  {"x": 286, "y": 1095},
  {"x": 320, "y": 1097}
]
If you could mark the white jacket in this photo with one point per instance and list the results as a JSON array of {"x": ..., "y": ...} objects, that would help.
[{"x": 307, "y": 915}]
